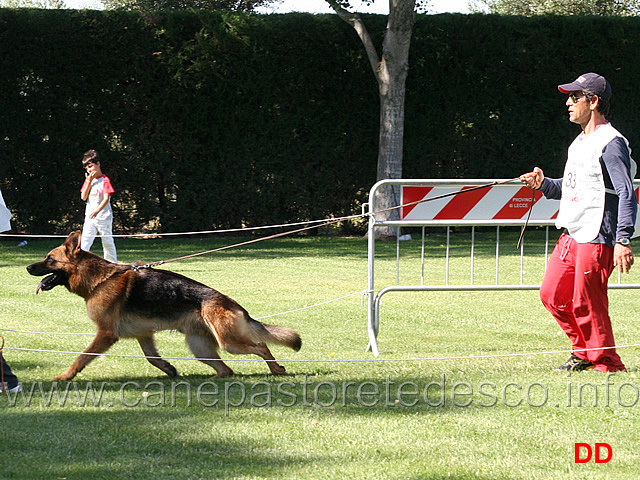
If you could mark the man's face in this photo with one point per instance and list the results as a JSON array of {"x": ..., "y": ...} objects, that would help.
[{"x": 579, "y": 108}]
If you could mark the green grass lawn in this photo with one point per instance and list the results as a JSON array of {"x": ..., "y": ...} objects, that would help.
[{"x": 336, "y": 414}]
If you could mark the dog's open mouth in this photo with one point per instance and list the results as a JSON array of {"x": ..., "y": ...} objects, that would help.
[{"x": 50, "y": 281}]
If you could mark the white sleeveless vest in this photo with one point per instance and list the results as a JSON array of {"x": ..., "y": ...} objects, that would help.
[{"x": 583, "y": 192}]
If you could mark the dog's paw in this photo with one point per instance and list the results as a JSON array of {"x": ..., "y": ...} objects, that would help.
[
  {"x": 279, "y": 370},
  {"x": 68, "y": 374}
]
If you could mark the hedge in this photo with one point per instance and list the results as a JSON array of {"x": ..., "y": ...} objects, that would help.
[{"x": 213, "y": 120}]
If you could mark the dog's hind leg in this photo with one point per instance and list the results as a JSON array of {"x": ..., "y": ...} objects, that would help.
[
  {"x": 233, "y": 334},
  {"x": 100, "y": 344},
  {"x": 205, "y": 349},
  {"x": 148, "y": 346},
  {"x": 259, "y": 349}
]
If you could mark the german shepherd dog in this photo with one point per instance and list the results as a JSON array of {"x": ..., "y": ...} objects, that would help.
[{"x": 132, "y": 302}]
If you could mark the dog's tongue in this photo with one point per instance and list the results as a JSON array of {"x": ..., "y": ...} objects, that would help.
[
  {"x": 47, "y": 283},
  {"x": 41, "y": 284}
]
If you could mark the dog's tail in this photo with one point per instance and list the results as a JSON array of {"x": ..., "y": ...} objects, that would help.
[{"x": 277, "y": 334}]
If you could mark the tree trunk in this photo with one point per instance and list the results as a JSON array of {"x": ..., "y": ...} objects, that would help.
[{"x": 391, "y": 72}]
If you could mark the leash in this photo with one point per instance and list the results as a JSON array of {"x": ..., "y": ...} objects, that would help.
[
  {"x": 336, "y": 220},
  {"x": 450, "y": 194},
  {"x": 479, "y": 187},
  {"x": 248, "y": 242},
  {"x": 524, "y": 227}
]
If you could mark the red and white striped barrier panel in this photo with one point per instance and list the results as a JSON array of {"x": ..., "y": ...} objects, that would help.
[{"x": 499, "y": 202}]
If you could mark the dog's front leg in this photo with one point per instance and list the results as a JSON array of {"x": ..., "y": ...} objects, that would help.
[{"x": 101, "y": 343}]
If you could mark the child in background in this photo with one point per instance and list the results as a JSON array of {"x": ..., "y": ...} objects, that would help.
[{"x": 97, "y": 191}]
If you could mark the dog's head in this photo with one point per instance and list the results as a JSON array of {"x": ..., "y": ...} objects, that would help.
[{"x": 58, "y": 265}]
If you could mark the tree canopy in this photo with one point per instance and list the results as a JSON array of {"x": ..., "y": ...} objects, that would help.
[
  {"x": 150, "y": 5},
  {"x": 530, "y": 8},
  {"x": 32, "y": 4}
]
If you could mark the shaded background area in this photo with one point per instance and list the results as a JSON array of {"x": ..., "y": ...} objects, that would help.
[{"x": 214, "y": 120}]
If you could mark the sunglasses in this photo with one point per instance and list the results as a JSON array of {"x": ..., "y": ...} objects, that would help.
[{"x": 576, "y": 98}]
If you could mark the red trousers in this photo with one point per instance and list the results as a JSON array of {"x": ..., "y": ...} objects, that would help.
[{"x": 574, "y": 290}]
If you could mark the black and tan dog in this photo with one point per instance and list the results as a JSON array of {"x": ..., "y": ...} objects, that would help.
[{"x": 129, "y": 302}]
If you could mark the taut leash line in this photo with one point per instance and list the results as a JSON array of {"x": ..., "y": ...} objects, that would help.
[
  {"x": 524, "y": 227},
  {"x": 336, "y": 220},
  {"x": 445, "y": 195}
]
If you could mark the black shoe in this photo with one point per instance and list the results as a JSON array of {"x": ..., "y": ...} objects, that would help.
[{"x": 575, "y": 364}]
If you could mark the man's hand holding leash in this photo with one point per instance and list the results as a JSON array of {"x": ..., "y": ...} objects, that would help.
[
  {"x": 622, "y": 254},
  {"x": 533, "y": 179}
]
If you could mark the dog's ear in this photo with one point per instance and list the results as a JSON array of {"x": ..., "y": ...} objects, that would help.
[{"x": 72, "y": 243}]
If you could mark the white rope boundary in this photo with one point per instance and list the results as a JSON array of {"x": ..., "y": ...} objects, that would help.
[
  {"x": 307, "y": 307},
  {"x": 201, "y": 232},
  {"x": 363, "y": 292},
  {"x": 234, "y": 230},
  {"x": 371, "y": 360}
]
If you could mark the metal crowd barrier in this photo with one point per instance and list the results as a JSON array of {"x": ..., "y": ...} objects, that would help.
[{"x": 503, "y": 205}]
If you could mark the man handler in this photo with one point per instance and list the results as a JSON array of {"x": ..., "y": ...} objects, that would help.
[{"x": 597, "y": 212}]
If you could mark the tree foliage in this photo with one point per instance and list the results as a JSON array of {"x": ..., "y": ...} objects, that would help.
[
  {"x": 530, "y": 8},
  {"x": 208, "y": 120},
  {"x": 51, "y": 4},
  {"x": 154, "y": 5}
]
